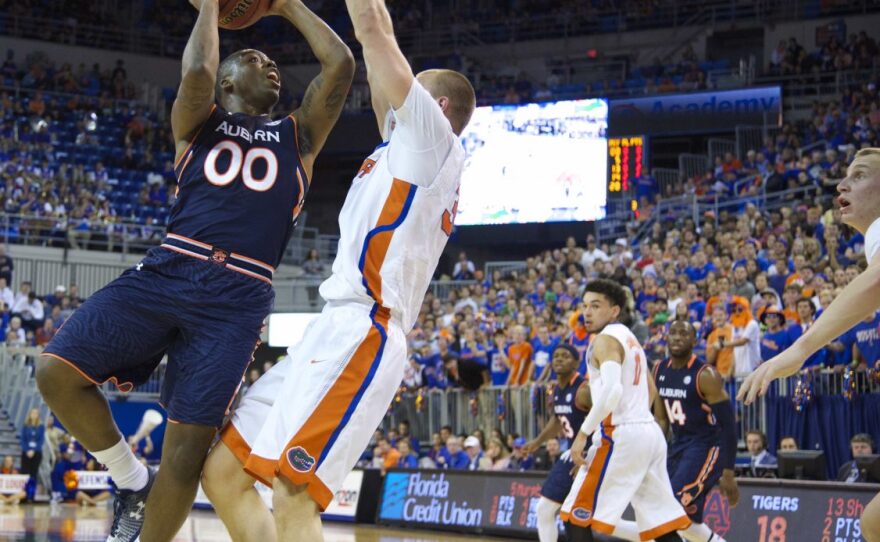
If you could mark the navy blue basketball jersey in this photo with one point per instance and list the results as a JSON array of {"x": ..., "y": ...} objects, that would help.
[
  {"x": 241, "y": 185},
  {"x": 689, "y": 414},
  {"x": 564, "y": 407}
]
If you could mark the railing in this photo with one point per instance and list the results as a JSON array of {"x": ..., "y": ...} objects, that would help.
[
  {"x": 671, "y": 209},
  {"x": 301, "y": 294},
  {"x": 667, "y": 179},
  {"x": 127, "y": 237},
  {"x": 18, "y": 389},
  {"x": 816, "y": 145},
  {"x": 505, "y": 268},
  {"x": 753, "y": 137},
  {"x": 17, "y": 91},
  {"x": 691, "y": 165},
  {"x": 45, "y": 275},
  {"x": 525, "y": 409},
  {"x": 69, "y": 232},
  {"x": 720, "y": 147}
]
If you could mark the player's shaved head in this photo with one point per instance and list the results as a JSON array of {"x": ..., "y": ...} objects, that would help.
[
  {"x": 457, "y": 89},
  {"x": 226, "y": 70},
  {"x": 243, "y": 84}
]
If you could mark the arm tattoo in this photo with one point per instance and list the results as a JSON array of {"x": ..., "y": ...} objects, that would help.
[
  {"x": 314, "y": 88},
  {"x": 305, "y": 142},
  {"x": 336, "y": 97}
]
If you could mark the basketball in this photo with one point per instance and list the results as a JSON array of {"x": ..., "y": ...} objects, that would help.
[{"x": 237, "y": 14}]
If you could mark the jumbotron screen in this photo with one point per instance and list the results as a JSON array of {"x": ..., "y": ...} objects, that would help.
[{"x": 535, "y": 163}]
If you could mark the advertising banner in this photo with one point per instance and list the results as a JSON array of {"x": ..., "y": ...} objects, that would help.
[
  {"x": 698, "y": 112},
  {"x": 501, "y": 503},
  {"x": 12, "y": 483},
  {"x": 88, "y": 479},
  {"x": 504, "y": 504}
]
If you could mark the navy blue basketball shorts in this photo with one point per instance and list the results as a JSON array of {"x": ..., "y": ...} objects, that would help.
[
  {"x": 559, "y": 481},
  {"x": 693, "y": 470},
  {"x": 206, "y": 317}
]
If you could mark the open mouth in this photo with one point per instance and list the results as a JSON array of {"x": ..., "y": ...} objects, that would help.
[
  {"x": 843, "y": 202},
  {"x": 274, "y": 76}
]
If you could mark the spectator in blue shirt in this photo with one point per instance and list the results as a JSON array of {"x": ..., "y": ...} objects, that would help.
[
  {"x": 499, "y": 365},
  {"x": 458, "y": 459},
  {"x": 699, "y": 267},
  {"x": 696, "y": 306},
  {"x": 866, "y": 336},
  {"x": 408, "y": 459},
  {"x": 403, "y": 433},
  {"x": 543, "y": 346},
  {"x": 776, "y": 338},
  {"x": 493, "y": 304},
  {"x": 646, "y": 187},
  {"x": 520, "y": 459},
  {"x": 807, "y": 312},
  {"x": 472, "y": 350},
  {"x": 32, "y": 437}
]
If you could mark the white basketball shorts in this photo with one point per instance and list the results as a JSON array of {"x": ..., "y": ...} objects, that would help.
[
  {"x": 625, "y": 465},
  {"x": 311, "y": 416}
]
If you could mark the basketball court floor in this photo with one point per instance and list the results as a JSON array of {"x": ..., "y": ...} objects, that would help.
[{"x": 69, "y": 522}]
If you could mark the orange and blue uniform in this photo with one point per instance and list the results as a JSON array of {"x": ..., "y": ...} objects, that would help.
[{"x": 310, "y": 417}]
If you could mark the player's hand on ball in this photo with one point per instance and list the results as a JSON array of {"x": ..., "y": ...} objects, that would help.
[
  {"x": 728, "y": 487},
  {"x": 577, "y": 451}
]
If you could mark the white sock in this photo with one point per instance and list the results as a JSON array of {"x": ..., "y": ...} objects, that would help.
[
  {"x": 125, "y": 470},
  {"x": 627, "y": 530},
  {"x": 547, "y": 529},
  {"x": 700, "y": 532}
]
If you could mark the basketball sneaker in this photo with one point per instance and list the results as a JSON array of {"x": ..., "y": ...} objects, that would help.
[{"x": 128, "y": 512}]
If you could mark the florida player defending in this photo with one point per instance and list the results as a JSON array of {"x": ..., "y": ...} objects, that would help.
[
  {"x": 203, "y": 295},
  {"x": 571, "y": 402},
  {"x": 626, "y": 463},
  {"x": 301, "y": 428},
  {"x": 692, "y": 399},
  {"x": 860, "y": 208}
]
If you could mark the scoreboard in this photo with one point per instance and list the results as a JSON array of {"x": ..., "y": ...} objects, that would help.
[{"x": 627, "y": 159}]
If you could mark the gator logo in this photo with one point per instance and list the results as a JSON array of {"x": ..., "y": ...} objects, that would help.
[
  {"x": 582, "y": 514},
  {"x": 300, "y": 460}
]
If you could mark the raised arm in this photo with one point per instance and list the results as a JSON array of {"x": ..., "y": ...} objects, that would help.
[
  {"x": 388, "y": 72},
  {"x": 325, "y": 95},
  {"x": 855, "y": 303},
  {"x": 201, "y": 57}
]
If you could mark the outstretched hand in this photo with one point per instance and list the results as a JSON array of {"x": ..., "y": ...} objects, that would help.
[{"x": 785, "y": 364}]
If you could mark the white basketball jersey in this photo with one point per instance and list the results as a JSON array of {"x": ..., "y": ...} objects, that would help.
[
  {"x": 393, "y": 229},
  {"x": 634, "y": 405}
]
